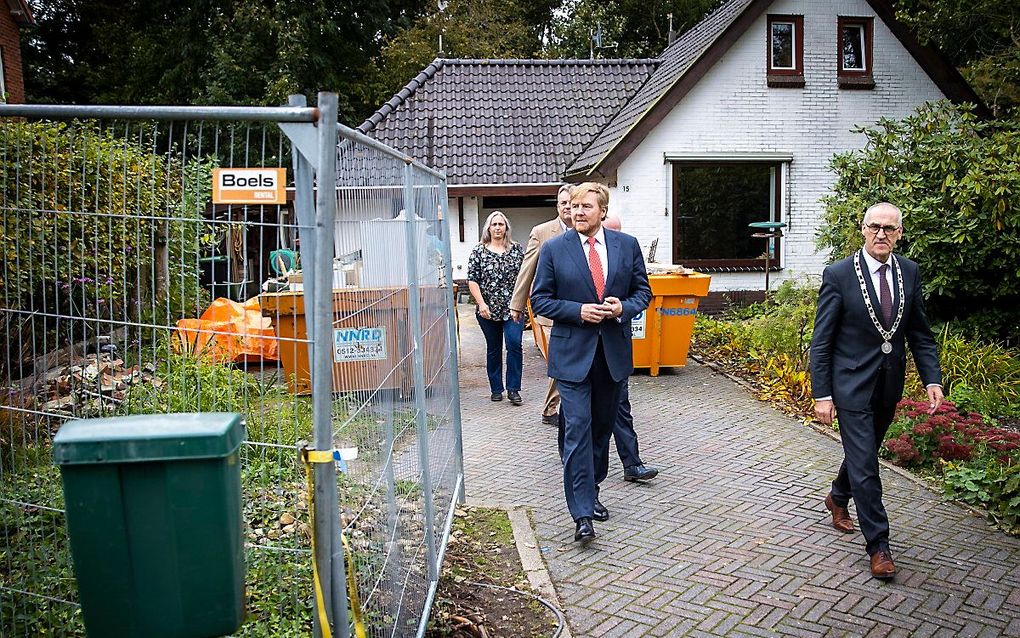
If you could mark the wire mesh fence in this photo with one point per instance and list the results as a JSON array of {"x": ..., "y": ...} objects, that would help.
[
  {"x": 127, "y": 290},
  {"x": 405, "y": 425}
]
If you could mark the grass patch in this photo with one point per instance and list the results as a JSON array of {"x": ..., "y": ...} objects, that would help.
[
  {"x": 34, "y": 550},
  {"x": 482, "y": 552}
]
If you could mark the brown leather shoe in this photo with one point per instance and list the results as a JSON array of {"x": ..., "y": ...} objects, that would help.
[
  {"x": 882, "y": 565},
  {"x": 840, "y": 517}
]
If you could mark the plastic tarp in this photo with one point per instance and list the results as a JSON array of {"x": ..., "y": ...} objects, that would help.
[{"x": 230, "y": 331}]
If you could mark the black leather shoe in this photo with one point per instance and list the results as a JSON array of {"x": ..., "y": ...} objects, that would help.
[
  {"x": 497, "y": 396},
  {"x": 585, "y": 531},
  {"x": 551, "y": 419},
  {"x": 601, "y": 513},
  {"x": 639, "y": 473},
  {"x": 515, "y": 397}
]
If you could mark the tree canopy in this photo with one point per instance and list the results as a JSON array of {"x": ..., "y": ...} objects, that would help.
[
  {"x": 259, "y": 51},
  {"x": 208, "y": 51},
  {"x": 623, "y": 28},
  {"x": 982, "y": 37}
]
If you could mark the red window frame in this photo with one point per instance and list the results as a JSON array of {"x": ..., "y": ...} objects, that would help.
[
  {"x": 856, "y": 78},
  {"x": 786, "y": 77}
]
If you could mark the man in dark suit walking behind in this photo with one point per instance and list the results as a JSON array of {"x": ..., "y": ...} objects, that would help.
[
  {"x": 591, "y": 282},
  {"x": 869, "y": 308}
]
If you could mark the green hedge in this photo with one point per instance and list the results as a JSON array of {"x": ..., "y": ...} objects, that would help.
[{"x": 84, "y": 213}]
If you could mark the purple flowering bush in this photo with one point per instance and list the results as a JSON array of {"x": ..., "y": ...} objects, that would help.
[{"x": 920, "y": 440}]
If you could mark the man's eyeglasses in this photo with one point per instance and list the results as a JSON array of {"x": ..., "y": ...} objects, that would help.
[{"x": 874, "y": 228}]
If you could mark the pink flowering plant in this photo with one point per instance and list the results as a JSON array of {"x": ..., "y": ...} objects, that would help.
[
  {"x": 917, "y": 439},
  {"x": 976, "y": 461}
]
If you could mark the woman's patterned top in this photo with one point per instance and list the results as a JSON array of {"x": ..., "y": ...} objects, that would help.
[{"x": 496, "y": 275}]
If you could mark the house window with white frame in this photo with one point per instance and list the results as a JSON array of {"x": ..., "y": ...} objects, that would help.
[
  {"x": 785, "y": 55},
  {"x": 713, "y": 203},
  {"x": 855, "y": 52}
]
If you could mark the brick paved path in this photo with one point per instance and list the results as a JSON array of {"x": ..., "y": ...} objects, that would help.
[{"x": 731, "y": 539}]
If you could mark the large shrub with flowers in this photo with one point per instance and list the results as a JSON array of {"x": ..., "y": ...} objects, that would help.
[{"x": 917, "y": 439}]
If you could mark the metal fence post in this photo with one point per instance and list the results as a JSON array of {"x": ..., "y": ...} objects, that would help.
[
  {"x": 458, "y": 450},
  {"x": 329, "y": 549},
  {"x": 393, "y": 547},
  {"x": 418, "y": 356},
  {"x": 304, "y": 206}
]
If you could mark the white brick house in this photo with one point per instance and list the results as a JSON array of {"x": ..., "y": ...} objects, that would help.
[{"x": 735, "y": 122}]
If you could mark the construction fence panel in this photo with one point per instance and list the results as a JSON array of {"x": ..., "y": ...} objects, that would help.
[
  {"x": 397, "y": 425},
  {"x": 126, "y": 290}
]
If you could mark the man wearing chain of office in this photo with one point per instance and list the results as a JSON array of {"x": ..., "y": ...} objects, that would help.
[{"x": 869, "y": 308}]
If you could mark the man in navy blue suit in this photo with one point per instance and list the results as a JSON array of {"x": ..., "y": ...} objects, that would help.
[
  {"x": 591, "y": 282},
  {"x": 869, "y": 309}
]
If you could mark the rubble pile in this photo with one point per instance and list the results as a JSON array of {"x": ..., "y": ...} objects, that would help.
[{"x": 93, "y": 385}]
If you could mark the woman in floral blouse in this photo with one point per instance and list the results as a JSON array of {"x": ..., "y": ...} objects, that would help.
[{"x": 492, "y": 272}]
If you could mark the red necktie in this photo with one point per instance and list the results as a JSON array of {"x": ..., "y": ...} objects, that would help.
[
  {"x": 596, "y": 269},
  {"x": 884, "y": 295}
]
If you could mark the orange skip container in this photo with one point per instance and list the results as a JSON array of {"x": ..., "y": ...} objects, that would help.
[{"x": 662, "y": 334}]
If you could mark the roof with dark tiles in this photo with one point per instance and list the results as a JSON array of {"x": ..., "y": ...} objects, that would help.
[
  {"x": 506, "y": 121},
  {"x": 519, "y": 122},
  {"x": 676, "y": 60}
]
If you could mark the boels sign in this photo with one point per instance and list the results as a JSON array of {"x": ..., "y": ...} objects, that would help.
[{"x": 249, "y": 186}]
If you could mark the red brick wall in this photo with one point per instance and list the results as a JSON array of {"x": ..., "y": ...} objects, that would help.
[
  {"x": 718, "y": 302},
  {"x": 10, "y": 44}
]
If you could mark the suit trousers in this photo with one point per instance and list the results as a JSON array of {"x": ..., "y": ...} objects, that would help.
[
  {"x": 588, "y": 409},
  {"x": 552, "y": 395},
  {"x": 623, "y": 431},
  {"x": 862, "y": 432}
]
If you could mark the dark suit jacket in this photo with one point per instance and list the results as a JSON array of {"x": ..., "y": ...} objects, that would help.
[
  {"x": 563, "y": 283},
  {"x": 846, "y": 350}
]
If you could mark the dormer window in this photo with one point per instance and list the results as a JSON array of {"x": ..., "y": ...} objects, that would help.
[
  {"x": 854, "y": 55},
  {"x": 785, "y": 51}
]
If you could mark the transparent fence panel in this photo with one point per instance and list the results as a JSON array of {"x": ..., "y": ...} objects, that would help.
[
  {"x": 113, "y": 255},
  {"x": 398, "y": 405}
]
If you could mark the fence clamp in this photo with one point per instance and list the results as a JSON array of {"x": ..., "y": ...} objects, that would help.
[
  {"x": 337, "y": 456},
  {"x": 316, "y": 456}
]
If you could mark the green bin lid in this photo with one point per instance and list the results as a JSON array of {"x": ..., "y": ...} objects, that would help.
[{"x": 148, "y": 437}]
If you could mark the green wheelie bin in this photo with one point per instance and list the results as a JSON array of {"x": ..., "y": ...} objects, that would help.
[{"x": 154, "y": 516}]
